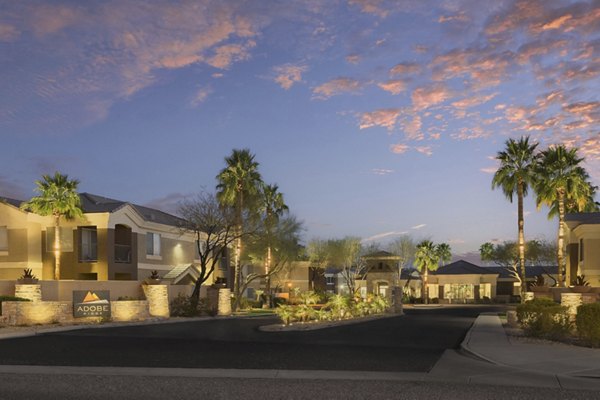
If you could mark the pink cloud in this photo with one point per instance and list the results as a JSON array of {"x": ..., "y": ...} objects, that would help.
[
  {"x": 227, "y": 54},
  {"x": 460, "y": 17},
  {"x": 353, "y": 58},
  {"x": 48, "y": 19},
  {"x": 8, "y": 33},
  {"x": 466, "y": 133},
  {"x": 385, "y": 118},
  {"x": 489, "y": 170},
  {"x": 427, "y": 150},
  {"x": 288, "y": 74},
  {"x": 395, "y": 87},
  {"x": 371, "y": 7},
  {"x": 399, "y": 148},
  {"x": 200, "y": 96},
  {"x": 336, "y": 87},
  {"x": 473, "y": 101},
  {"x": 405, "y": 68},
  {"x": 431, "y": 95},
  {"x": 412, "y": 128}
]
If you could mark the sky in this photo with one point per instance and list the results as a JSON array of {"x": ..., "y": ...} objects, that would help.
[{"x": 375, "y": 118}]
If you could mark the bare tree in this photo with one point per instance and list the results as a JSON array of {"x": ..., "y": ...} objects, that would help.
[
  {"x": 347, "y": 254},
  {"x": 317, "y": 256},
  {"x": 404, "y": 248},
  {"x": 214, "y": 229}
]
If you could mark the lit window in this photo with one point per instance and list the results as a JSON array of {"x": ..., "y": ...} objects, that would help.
[
  {"x": 88, "y": 244},
  {"x": 3, "y": 238},
  {"x": 152, "y": 244}
]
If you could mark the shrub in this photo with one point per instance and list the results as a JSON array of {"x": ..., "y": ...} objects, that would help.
[
  {"x": 544, "y": 318},
  {"x": 184, "y": 306},
  {"x": 588, "y": 323},
  {"x": 10, "y": 298},
  {"x": 287, "y": 313},
  {"x": 278, "y": 301}
]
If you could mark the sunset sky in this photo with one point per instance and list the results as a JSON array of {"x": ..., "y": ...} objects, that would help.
[{"x": 375, "y": 118}]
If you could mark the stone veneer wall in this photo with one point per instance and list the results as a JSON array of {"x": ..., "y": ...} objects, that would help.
[
  {"x": 129, "y": 310},
  {"x": 48, "y": 312},
  {"x": 31, "y": 292},
  {"x": 574, "y": 300},
  {"x": 158, "y": 300}
]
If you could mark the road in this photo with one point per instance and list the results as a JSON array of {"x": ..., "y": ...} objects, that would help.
[
  {"x": 413, "y": 342},
  {"x": 182, "y": 361}
]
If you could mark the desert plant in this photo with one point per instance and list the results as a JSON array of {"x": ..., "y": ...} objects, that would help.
[
  {"x": 287, "y": 313},
  {"x": 154, "y": 275},
  {"x": 581, "y": 281},
  {"x": 379, "y": 304},
  {"x": 588, "y": 323},
  {"x": 544, "y": 318},
  {"x": 339, "y": 306},
  {"x": 305, "y": 313},
  {"x": 308, "y": 298}
]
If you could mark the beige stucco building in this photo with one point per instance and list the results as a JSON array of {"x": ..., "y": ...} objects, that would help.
[
  {"x": 115, "y": 240},
  {"x": 583, "y": 247}
]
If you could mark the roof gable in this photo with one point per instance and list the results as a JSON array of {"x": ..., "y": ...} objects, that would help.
[{"x": 462, "y": 267}]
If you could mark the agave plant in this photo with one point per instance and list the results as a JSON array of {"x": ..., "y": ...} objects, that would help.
[{"x": 581, "y": 281}]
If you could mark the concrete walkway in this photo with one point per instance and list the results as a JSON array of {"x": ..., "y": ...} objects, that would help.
[{"x": 518, "y": 361}]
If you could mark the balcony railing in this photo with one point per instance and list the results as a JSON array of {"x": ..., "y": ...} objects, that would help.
[{"x": 123, "y": 253}]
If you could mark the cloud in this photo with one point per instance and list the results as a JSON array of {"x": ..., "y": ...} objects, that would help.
[
  {"x": 473, "y": 101},
  {"x": 385, "y": 118},
  {"x": 471, "y": 133},
  {"x": 405, "y": 68},
  {"x": 200, "y": 96},
  {"x": 375, "y": 7},
  {"x": 395, "y": 87},
  {"x": 288, "y": 74},
  {"x": 382, "y": 171},
  {"x": 412, "y": 128},
  {"x": 489, "y": 170},
  {"x": 353, "y": 58},
  {"x": 399, "y": 148},
  {"x": 460, "y": 17},
  {"x": 9, "y": 188},
  {"x": 427, "y": 96},
  {"x": 47, "y": 19},
  {"x": 420, "y": 226},
  {"x": 383, "y": 235},
  {"x": 336, "y": 87},
  {"x": 8, "y": 33},
  {"x": 226, "y": 55},
  {"x": 427, "y": 150},
  {"x": 168, "y": 203}
]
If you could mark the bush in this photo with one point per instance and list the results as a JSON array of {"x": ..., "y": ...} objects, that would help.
[
  {"x": 10, "y": 298},
  {"x": 543, "y": 318},
  {"x": 184, "y": 306},
  {"x": 588, "y": 323},
  {"x": 287, "y": 313}
]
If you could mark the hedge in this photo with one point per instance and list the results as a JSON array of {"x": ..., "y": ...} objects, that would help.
[
  {"x": 588, "y": 323},
  {"x": 10, "y": 298},
  {"x": 544, "y": 318}
]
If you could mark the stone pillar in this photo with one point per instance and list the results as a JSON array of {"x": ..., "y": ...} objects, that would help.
[
  {"x": 224, "y": 302},
  {"x": 571, "y": 301},
  {"x": 528, "y": 296},
  {"x": 158, "y": 300},
  {"x": 32, "y": 292},
  {"x": 397, "y": 300}
]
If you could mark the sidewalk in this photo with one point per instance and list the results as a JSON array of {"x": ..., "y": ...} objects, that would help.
[{"x": 524, "y": 361}]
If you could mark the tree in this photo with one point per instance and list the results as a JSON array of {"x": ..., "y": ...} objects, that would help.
[
  {"x": 284, "y": 240},
  {"x": 506, "y": 255},
  {"x": 404, "y": 248},
  {"x": 238, "y": 187},
  {"x": 563, "y": 182},
  {"x": 426, "y": 259},
  {"x": 214, "y": 229},
  {"x": 444, "y": 253},
  {"x": 347, "y": 254},
  {"x": 318, "y": 257},
  {"x": 272, "y": 207},
  {"x": 516, "y": 173},
  {"x": 57, "y": 197}
]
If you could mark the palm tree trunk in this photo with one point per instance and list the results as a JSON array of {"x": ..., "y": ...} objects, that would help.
[
  {"x": 238, "y": 253},
  {"x": 425, "y": 294},
  {"x": 521, "y": 238},
  {"x": 561, "y": 236},
  {"x": 267, "y": 270},
  {"x": 57, "y": 247}
]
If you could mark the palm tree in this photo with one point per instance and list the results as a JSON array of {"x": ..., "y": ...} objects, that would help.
[
  {"x": 272, "y": 206},
  {"x": 563, "y": 185},
  {"x": 57, "y": 197},
  {"x": 444, "y": 252},
  {"x": 515, "y": 174},
  {"x": 426, "y": 259},
  {"x": 237, "y": 187}
]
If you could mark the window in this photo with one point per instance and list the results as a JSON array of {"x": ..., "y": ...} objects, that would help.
[
  {"x": 88, "y": 244},
  {"x": 152, "y": 244},
  {"x": 329, "y": 280},
  {"x": 485, "y": 290},
  {"x": 66, "y": 239},
  {"x": 580, "y": 249},
  {"x": 3, "y": 238}
]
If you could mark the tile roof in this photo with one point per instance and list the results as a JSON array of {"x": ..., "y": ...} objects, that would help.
[
  {"x": 91, "y": 203},
  {"x": 575, "y": 219},
  {"x": 462, "y": 267}
]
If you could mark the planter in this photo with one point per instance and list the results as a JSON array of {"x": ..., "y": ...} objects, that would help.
[
  {"x": 540, "y": 289},
  {"x": 581, "y": 289},
  {"x": 27, "y": 281},
  {"x": 149, "y": 281}
]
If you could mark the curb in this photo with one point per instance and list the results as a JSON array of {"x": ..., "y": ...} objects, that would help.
[
  {"x": 464, "y": 345},
  {"x": 302, "y": 327}
]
